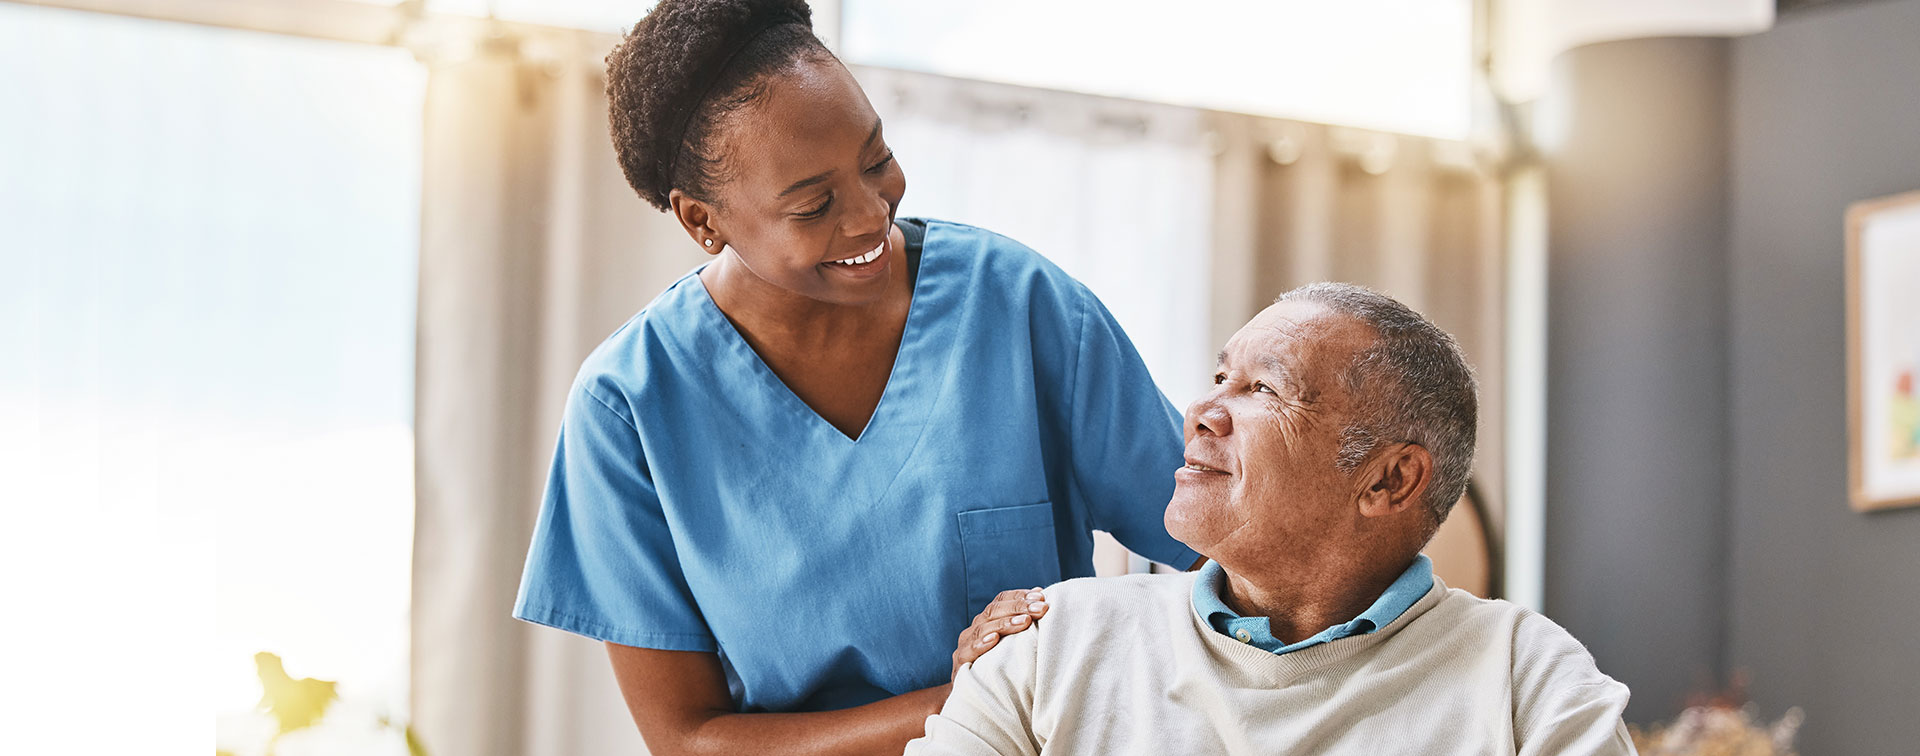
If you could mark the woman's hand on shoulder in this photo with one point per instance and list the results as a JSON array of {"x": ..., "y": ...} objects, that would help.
[{"x": 1010, "y": 612}]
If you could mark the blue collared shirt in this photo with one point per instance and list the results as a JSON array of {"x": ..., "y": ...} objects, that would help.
[{"x": 1211, "y": 583}]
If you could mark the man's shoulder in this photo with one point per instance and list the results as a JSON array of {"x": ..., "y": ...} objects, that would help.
[
  {"x": 1544, "y": 656},
  {"x": 1124, "y": 590},
  {"x": 1526, "y": 629},
  {"x": 1100, "y": 604},
  {"x": 1461, "y": 607}
]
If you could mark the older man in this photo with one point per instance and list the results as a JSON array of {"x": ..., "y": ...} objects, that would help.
[{"x": 1337, "y": 435}]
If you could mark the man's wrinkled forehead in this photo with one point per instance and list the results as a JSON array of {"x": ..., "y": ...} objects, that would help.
[
  {"x": 1306, "y": 342},
  {"x": 1282, "y": 333}
]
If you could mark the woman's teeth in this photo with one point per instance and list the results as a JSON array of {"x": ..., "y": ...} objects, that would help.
[{"x": 866, "y": 258}]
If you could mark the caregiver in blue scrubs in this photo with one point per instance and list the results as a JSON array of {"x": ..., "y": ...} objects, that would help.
[{"x": 785, "y": 487}]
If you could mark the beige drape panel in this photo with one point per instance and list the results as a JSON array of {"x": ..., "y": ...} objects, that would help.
[
  {"x": 533, "y": 249},
  {"x": 1411, "y": 217}
]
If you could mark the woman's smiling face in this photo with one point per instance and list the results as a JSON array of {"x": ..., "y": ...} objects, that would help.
[{"x": 809, "y": 187}]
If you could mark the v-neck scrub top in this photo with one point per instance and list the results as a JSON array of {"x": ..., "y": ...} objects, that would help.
[{"x": 696, "y": 503}]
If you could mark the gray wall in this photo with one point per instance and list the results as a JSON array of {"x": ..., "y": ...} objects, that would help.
[
  {"x": 1825, "y": 603},
  {"x": 1636, "y": 362},
  {"x": 1698, "y": 525}
]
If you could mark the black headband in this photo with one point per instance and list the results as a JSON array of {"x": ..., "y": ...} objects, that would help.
[{"x": 704, "y": 86}]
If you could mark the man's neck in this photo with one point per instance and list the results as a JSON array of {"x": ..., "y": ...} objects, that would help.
[{"x": 1298, "y": 605}]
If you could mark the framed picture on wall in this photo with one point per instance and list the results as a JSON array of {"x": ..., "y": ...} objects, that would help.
[{"x": 1883, "y": 351}]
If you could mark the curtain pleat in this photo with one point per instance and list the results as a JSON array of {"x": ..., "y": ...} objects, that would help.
[{"x": 533, "y": 249}]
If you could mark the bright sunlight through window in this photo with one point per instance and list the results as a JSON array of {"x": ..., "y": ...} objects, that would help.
[
  {"x": 210, "y": 239},
  {"x": 1393, "y": 65}
]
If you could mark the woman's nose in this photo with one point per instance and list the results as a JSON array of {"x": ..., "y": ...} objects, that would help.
[{"x": 870, "y": 217}]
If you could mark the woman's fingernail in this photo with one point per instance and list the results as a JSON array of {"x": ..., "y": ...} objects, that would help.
[
  {"x": 1018, "y": 619},
  {"x": 1036, "y": 606},
  {"x": 989, "y": 638},
  {"x": 1035, "y": 596}
]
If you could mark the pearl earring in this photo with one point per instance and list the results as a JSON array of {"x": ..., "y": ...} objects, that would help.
[{"x": 709, "y": 243}]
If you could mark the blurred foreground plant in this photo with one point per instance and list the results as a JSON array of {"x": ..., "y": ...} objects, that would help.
[
  {"x": 1719, "y": 729},
  {"x": 299, "y": 704}
]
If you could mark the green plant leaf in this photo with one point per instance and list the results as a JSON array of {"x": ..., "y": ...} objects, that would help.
[{"x": 295, "y": 704}]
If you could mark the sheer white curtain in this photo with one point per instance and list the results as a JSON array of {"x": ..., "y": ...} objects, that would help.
[{"x": 1115, "y": 192}]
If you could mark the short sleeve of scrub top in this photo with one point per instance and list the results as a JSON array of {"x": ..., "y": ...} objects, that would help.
[{"x": 695, "y": 503}]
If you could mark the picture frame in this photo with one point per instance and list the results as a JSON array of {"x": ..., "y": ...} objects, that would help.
[{"x": 1883, "y": 352}]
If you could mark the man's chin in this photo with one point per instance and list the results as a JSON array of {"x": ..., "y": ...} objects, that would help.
[{"x": 1186, "y": 522}]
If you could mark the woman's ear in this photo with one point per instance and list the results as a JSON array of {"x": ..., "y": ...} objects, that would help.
[
  {"x": 1394, "y": 480},
  {"x": 696, "y": 216}
]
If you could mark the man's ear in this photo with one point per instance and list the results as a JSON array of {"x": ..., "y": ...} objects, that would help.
[
  {"x": 696, "y": 216},
  {"x": 1394, "y": 480}
]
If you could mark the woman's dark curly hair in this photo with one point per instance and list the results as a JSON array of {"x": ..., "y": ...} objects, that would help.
[{"x": 681, "y": 71}]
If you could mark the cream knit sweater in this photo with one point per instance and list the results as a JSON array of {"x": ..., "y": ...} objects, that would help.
[{"x": 1124, "y": 666}]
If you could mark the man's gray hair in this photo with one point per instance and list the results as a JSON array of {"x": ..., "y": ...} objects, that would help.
[{"x": 1417, "y": 386}]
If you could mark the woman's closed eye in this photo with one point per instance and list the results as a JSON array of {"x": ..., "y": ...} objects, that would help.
[
  {"x": 817, "y": 212},
  {"x": 827, "y": 204}
]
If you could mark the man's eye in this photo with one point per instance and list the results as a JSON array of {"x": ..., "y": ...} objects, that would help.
[
  {"x": 1258, "y": 386},
  {"x": 1219, "y": 378},
  {"x": 882, "y": 165}
]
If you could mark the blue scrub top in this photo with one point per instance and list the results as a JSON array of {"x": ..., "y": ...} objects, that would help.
[{"x": 696, "y": 504}]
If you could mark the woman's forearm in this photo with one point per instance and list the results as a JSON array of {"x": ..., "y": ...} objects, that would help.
[{"x": 881, "y": 727}]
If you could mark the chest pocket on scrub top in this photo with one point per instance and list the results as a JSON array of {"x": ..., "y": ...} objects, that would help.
[{"x": 1007, "y": 548}]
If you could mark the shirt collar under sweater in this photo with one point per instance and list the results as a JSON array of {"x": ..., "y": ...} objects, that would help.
[
  {"x": 1275, "y": 670},
  {"x": 1210, "y": 585}
]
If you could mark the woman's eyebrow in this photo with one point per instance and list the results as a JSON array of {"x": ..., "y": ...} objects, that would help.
[
  {"x": 827, "y": 174},
  {"x": 806, "y": 182}
]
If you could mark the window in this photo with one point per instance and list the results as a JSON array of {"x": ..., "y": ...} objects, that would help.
[
  {"x": 210, "y": 244},
  {"x": 1394, "y": 65}
]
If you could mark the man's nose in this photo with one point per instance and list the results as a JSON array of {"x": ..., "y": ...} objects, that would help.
[{"x": 1206, "y": 415}]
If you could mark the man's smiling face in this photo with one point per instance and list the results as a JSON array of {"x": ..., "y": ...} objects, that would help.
[{"x": 1260, "y": 489}]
